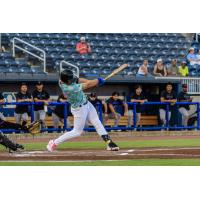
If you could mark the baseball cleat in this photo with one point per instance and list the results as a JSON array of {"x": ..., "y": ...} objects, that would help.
[
  {"x": 51, "y": 146},
  {"x": 112, "y": 147}
]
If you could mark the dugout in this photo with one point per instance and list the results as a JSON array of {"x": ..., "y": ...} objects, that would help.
[{"x": 123, "y": 84}]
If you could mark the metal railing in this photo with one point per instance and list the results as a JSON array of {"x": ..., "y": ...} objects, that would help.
[
  {"x": 14, "y": 46},
  {"x": 192, "y": 82},
  {"x": 197, "y": 37},
  {"x": 100, "y": 112},
  {"x": 70, "y": 66},
  {"x": 31, "y": 104}
]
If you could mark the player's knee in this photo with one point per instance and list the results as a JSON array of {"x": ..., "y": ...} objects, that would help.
[{"x": 77, "y": 132}]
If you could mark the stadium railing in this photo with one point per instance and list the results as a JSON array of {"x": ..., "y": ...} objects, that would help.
[
  {"x": 192, "y": 82},
  {"x": 100, "y": 112},
  {"x": 27, "y": 50}
]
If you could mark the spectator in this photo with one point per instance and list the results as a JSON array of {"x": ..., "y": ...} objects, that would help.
[
  {"x": 168, "y": 95},
  {"x": 184, "y": 109},
  {"x": 183, "y": 69},
  {"x": 83, "y": 47},
  {"x": 191, "y": 57},
  {"x": 159, "y": 68},
  {"x": 2, "y": 100},
  {"x": 143, "y": 69},
  {"x": 58, "y": 112},
  {"x": 140, "y": 99},
  {"x": 2, "y": 49},
  {"x": 21, "y": 111},
  {"x": 94, "y": 101},
  {"x": 40, "y": 95},
  {"x": 198, "y": 57},
  {"x": 115, "y": 108},
  {"x": 173, "y": 69}
]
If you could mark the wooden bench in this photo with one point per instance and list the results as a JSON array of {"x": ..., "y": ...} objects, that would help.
[{"x": 146, "y": 120}]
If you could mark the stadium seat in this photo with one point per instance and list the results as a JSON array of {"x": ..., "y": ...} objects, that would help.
[{"x": 108, "y": 50}]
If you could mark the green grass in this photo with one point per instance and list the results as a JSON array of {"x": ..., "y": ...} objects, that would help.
[
  {"x": 122, "y": 144},
  {"x": 137, "y": 162}
]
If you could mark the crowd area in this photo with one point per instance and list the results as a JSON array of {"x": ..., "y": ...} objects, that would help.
[
  {"x": 160, "y": 69},
  {"x": 113, "y": 107}
]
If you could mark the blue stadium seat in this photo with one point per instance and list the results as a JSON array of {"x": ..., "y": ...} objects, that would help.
[
  {"x": 37, "y": 70},
  {"x": 25, "y": 70},
  {"x": 13, "y": 69},
  {"x": 3, "y": 69},
  {"x": 107, "y": 49}
]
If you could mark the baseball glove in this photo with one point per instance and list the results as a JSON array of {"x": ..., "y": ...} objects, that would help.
[
  {"x": 34, "y": 128},
  {"x": 5, "y": 141}
]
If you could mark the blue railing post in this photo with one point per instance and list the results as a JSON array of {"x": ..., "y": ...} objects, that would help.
[
  {"x": 65, "y": 116},
  {"x": 134, "y": 116},
  {"x": 100, "y": 111},
  {"x": 167, "y": 116},
  {"x": 32, "y": 111},
  {"x": 198, "y": 117}
]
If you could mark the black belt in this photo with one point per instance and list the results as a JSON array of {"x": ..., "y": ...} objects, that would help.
[{"x": 83, "y": 104}]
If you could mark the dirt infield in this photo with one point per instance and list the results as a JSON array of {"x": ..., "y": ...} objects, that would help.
[
  {"x": 93, "y": 155},
  {"x": 101, "y": 154}
]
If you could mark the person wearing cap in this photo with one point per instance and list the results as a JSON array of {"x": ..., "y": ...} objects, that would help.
[
  {"x": 116, "y": 107},
  {"x": 21, "y": 111},
  {"x": 83, "y": 47},
  {"x": 198, "y": 57},
  {"x": 139, "y": 98},
  {"x": 58, "y": 112},
  {"x": 184, "y": 109},
  {"x": 183, "y": 69},
  {"x": 191, "y": 57},
  {"x": 97, "y": 102},
  {"x": 159, "y": 68},
  {"x": 40, "y": 95},
  {"x": 167, "y": 96},
  {"x": 173, "y": 70}
]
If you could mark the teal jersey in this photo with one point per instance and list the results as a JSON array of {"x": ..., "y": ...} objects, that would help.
[{"x": 74, "y": 93}]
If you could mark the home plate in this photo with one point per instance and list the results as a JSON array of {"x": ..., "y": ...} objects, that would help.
[
  {"x": 123, "y": 154},
  {"x": 131, "y": 150}
]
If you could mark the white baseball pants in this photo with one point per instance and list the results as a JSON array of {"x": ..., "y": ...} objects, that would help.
[
  {"x": 185, "y": 115},
  {"x": 163, "y": 116},
  {"x": 81, "y": 115}
]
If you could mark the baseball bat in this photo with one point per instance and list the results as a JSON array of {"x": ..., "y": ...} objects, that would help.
[{"x": 119, "y": 69}]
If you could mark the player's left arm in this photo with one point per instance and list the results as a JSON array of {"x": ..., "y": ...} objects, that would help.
[{"x": 86, "y": 84}]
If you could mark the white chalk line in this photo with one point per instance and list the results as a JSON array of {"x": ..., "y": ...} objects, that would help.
[{"x": 124, "y": 153}]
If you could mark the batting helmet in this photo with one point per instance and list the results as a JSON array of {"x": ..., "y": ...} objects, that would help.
[{"x": 67, "y": 76}]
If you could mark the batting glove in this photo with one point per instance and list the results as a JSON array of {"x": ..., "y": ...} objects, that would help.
[{"x": 101, "y": 81}]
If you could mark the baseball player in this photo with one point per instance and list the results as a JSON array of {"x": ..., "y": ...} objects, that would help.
[
  {"x": 93, "y": 99},
  {"x": 81, "y": 109},
  {"x": 139, "y": 98},
  {"x": 33, "y": 128},
  {"x": 40, "y": 95},
  {"x": 168, "y": 95},
  {"x": 58, "y": 112},
  {"x": 21, "y": 111},
  {"x": 115, "y": 108},
  {"x": 184, "y": 109}
]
